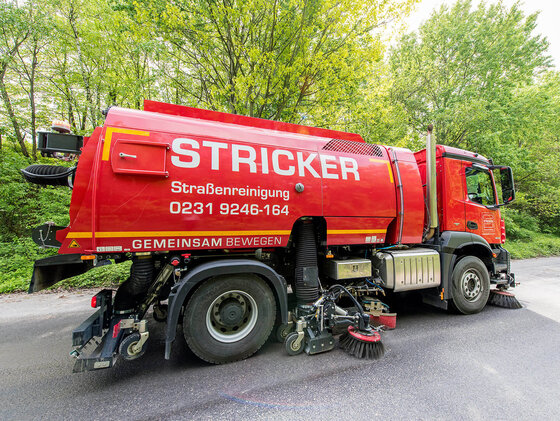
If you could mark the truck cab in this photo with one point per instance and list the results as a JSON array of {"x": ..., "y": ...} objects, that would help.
[{"x": 470, "y": 192}]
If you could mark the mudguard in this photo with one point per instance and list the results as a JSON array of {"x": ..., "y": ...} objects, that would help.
[{"x": 180, "y": 291}]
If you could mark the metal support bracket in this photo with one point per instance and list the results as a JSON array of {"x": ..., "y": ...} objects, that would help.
[{"x": 300, "y": 326}]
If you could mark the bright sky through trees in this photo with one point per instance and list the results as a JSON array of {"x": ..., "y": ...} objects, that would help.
[{"x": 547, "y": 22}]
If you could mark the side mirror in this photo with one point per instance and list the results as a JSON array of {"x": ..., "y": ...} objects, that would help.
[{"x": 504, "y": 184}]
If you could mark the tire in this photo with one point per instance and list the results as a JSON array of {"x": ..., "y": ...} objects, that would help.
[
  {"x": 228, "y": 318},
  {"x": 125, "y": 347},
  {"x": 290, "y": 344},
  {"x": 283, "y": 331},
  {"x": 470, "y": 285}
]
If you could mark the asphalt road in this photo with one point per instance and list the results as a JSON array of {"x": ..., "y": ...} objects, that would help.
[{"x": 499, "y": 364}]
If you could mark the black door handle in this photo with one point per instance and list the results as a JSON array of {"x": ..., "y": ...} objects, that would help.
[{"x": 472, "y": 225}]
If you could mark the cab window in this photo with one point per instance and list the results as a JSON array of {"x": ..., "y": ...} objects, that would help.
[{"x": 480, "y": 188}]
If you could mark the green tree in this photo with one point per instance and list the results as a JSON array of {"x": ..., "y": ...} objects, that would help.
[
  {"x": 459, "y": 71},
  {"x": 28, "y": 65},
  {"x": 529, "y": 139},
  {"x": 14, "y": 31},
  {"x": 293, "y": 60}
]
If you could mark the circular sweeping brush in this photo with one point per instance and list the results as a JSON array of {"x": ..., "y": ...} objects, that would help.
[
  {"x": 503, "y": 299},
  {"x": 362, "y": 343}
]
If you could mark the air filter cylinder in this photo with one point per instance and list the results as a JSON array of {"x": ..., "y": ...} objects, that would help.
[{"x": 307, "y": 272}]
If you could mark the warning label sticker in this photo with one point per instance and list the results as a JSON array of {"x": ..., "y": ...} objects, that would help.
[{"x": 74, "y": 245}]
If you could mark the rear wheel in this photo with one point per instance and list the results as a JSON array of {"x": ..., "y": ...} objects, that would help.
[
  {"x": 229, "y": 318},
  {"x": 470, "y": 285}
]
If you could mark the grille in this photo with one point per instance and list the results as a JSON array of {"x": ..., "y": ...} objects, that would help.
[{"x": 348, "y": 146}]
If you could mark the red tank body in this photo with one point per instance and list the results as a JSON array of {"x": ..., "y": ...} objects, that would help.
[{"x": 179, "y": 178}]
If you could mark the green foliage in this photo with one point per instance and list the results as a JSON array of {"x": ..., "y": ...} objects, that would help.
[
  {"x": 538, "y": 245},
  {"x": 16, "y": 266},
  {"x": 530, "y": 143},
  {"x": 459, "y": 71},
  {"x": 478, "y": 74},
  {"x": 104, "y": 276},
  {"x": 294, "y": 60},
  {"x": 24, "y": 206},
  {"x": 519, "y": 226},
  {"x": 16, "y": 260}
]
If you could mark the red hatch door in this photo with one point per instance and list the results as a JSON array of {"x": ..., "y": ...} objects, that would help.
[{"x": 141, "y": 157}]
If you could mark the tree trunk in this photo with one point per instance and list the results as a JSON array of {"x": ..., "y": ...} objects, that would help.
[
  {"x": 34, "y": 63},
  {"x": 85, "y": 73},
  {"x": 12, "y": 116}
]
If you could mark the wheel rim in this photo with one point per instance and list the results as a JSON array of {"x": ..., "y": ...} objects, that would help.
[
  {"x": 471, "y": 285},
  {"x": 130, "y": 349},
  {"x": 231, "y": 316},
  {"x": 295, "y": 347}
]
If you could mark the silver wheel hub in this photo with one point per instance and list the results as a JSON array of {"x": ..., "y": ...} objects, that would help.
[
  {"x": 231, "y": 316},
  {"x": 471, "y": 285},
  {"x": 133, "y": 349}
]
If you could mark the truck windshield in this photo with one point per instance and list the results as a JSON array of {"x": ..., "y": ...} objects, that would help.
[{"x": 480, "y": 188}]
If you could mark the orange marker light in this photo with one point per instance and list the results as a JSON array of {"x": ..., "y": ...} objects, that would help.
[{"x": 88, "y": 257}]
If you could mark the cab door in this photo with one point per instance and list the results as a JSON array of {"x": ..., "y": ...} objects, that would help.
[{"x": 481, "y": 211}]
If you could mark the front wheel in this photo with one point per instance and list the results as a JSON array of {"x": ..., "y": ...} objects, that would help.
[
  {"x": 470, "y": 285},
  {"x": 229, "y": 318}
]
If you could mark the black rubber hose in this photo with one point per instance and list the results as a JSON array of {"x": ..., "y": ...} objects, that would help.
[
  {"x": 134, "y": 289},
  {"x": 338, "y": 286},
  {"x": 307, "y": 290},
  {"x": 48, "y": 175}
]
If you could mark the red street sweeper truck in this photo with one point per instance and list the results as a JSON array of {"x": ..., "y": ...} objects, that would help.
[{"x": 236, "y": 226}]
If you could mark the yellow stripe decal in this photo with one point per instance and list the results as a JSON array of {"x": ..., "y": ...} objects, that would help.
[
  {"x": 364, "y": 231},
  {"x": 128, "y": 234},
  {"x": 382, "y": 161},
  {"x": 109, "y": 137}
]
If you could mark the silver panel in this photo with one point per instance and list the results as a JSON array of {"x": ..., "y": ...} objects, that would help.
[
  {"x": 404, "y": 270},
  {"x": 348, "y": 269}
]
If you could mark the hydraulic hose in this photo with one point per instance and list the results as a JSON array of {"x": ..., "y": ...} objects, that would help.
[{"x": 338, "y": 286}]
